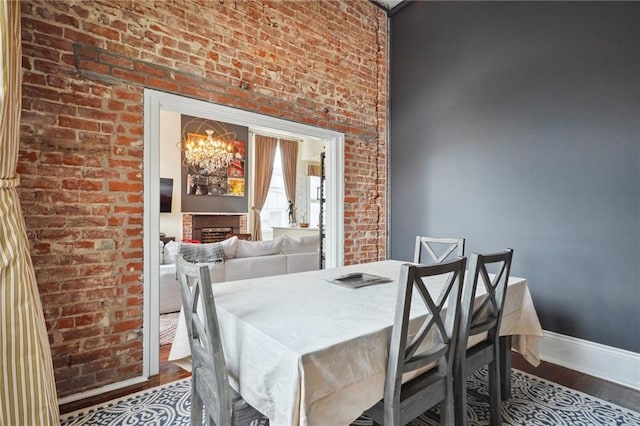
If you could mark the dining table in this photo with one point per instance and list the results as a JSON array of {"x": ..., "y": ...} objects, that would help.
[{"x": 305, "y": 351}]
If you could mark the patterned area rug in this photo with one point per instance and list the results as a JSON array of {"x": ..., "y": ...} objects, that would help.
[
  {"x": 168, "y": 325},
  {"x": 534, "y": 401}
]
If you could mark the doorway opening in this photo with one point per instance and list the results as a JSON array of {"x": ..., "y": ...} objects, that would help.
[{"x": 156, "y": 106}]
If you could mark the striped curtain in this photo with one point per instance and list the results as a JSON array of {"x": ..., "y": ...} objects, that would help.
[{"x": 27, "y": 385}]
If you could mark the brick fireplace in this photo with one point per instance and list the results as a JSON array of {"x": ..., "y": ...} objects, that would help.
[{"x": 211, "y": 228}]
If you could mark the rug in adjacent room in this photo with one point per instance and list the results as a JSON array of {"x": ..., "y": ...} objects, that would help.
[
  {"x": 534, "y": 401},
  {"x": 168, "y": 325}
]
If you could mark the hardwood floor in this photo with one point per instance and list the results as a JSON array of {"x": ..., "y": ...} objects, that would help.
[
  {"x": 169, "y": 372},
  {"x": 614, "y": 393},
  {"x": 608, "y": 391}
]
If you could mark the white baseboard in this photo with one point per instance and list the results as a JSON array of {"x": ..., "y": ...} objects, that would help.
[
  {"x": 605, "y": 362},
  {"x": 104, "y": 389}
]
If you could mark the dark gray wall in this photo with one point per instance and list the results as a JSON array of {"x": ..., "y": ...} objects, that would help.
[{"x": 517, "y": 125}]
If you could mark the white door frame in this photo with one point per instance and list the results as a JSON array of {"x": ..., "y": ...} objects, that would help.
[{"x": 154, "y": 102}]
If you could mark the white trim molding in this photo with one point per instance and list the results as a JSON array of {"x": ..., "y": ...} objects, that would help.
[
  {"x": 99, "y": 391},
  {"x": 156, "y": 101},
  {"x": 605, "y": 362}
]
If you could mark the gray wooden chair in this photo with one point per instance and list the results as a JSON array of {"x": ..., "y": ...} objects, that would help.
[
  {"x": 483, "y": 316},
  {"x": 438, "y": 249},
  {"x": 404, "y": 402},
  {"x": 210, "y": 389}
]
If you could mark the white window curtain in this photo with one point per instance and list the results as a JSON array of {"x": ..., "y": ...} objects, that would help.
[{"x": 289, "y": 158}]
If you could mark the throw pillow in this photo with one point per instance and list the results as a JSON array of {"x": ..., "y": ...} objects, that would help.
[
  {"x": 304, "y": 244},
  {"x": 202, "y": 253},
  {"x": 171, "y": 250},
  {"x": 259, "y": 248},
  {"x": 161, "y": 252},
  {"x": 230, "y": 245}
]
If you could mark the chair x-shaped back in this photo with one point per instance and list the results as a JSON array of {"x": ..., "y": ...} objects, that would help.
[
  {"x": 452, "y": 246},
  {"x": 486, "y": 315}
]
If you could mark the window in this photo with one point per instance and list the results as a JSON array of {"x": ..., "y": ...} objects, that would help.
[
  {"x": 274, "y": 212},
  {"x": 314, "y": 201}
]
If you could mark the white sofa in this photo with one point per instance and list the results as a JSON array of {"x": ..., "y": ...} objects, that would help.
[{"x": 242, "y": 260}]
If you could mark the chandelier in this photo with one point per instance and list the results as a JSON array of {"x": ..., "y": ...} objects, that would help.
[{"x": 208, "y": 154}]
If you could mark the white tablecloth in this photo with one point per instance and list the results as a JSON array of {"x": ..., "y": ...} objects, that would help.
[{"x": 306, "y": 352}]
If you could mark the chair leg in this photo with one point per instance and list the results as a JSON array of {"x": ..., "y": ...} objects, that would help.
[
  {"x": 447, "y": 407},
  {"x": 196, "y": 408},
  {"x": 505, "y": 366},
  {"x": 495, "y": 401},
  {"x": 197, "y": 405},
  {"x": 460, "y": 396},
  {"x": 392, "y": 416}
]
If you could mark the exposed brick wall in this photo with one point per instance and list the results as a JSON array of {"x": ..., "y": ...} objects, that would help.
[
  {"x": 243, "y": 224},
  {"x": 187, "y": 227},
  {"x": 85, "y": 65}
]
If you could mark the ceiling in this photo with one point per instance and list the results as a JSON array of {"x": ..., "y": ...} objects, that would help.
[{"x": 388, "y": 4}]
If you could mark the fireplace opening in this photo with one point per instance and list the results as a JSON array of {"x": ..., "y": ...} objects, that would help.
[
  {"x": 212, "y": 228},
  {"x": 214, "y": 235}
]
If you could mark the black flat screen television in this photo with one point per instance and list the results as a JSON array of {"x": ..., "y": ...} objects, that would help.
[{"x": 166, "y": 194}]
